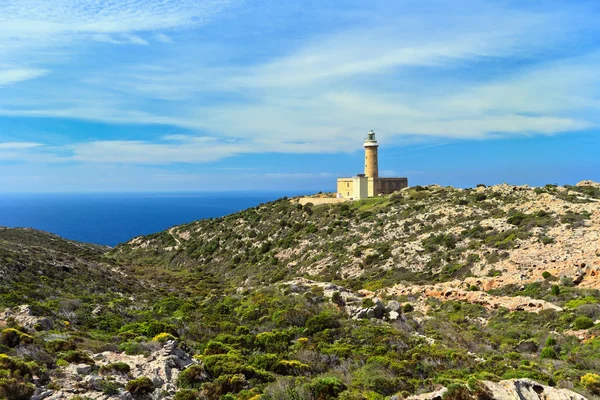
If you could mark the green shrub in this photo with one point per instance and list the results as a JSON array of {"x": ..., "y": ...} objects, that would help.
[
  {"x": 407, "y": 308},
  {"x": 192, "y": 377},
  {"x": 76, "y": 357},
  {"x": 336, "y": 298},
  {"x": 58, "y": 345},
  {"x": 11, "y": 337},
  {"x": 140, "y": 386},
  {"x": 550, "y": 341},
  {"x": 326, "y": 388},
  {"x": 555, "y": 290},
  {"x": 110, "y": 388},
  {"x": 187, "y": 394},
  {"x": 16, "y": 389},
  {"x": 548, "y": 352},
  {"x": 322, "y": 321},
  {"x": 583, "y": 322},
  {"x": 579, "y": 302},
  {"x": 368, "y": 303},
  {"x": 118, "y": 367}
]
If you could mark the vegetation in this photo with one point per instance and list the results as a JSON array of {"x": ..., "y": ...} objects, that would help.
[{"x": 220, "y": 288}]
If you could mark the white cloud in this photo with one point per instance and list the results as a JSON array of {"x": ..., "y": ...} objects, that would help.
[
  {"x": 161, "y": 37},
  {"x": 11, "y": 76},
  {"x": 123, "y": 39},
  {"x": 19, "y": 145},
  {"x": 404, "y": 76}
]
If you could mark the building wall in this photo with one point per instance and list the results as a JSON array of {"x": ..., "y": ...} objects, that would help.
[
  {"x": 371, "y": 191},
  {"x": 390, "y": 185},
  {"x": 345, "y": 187},
  {"x": 361, "y": 187}
]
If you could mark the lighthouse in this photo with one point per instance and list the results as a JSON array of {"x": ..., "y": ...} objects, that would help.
[
  {"x": 369, "y": 184},
  {"x": 371, "y": 162}
]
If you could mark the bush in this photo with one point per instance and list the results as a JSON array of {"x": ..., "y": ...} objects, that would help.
[
  {"x": 548, "y": 352},
  {"x": 591, "y": 382},
  {"x": 15, "y": 389},
  {"x": 110, "y": 388},
  {"x": 140, "y": 386},
  {"x": 187, "y": 394},
  {"x": 163, "y": 337},
  {"x": 322, "y": 321},
  {"x": 76, "y": 357},
  {"x": 192, "y": 377},
  {"x": 555, "y": 290},
  {"x": 407, "y": 308},
  {"x": 326, "y": 388},
  {"x": 583, "y": 322},
  {"x": 12, "y": 338},
  {"x": 336, "y": 298},
  {"x": 58, "y": 345},
  {"x": 118, "y": 367}
]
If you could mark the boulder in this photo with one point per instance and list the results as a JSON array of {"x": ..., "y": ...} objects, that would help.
[
  {"x": 526, "y": 389},
  {"x": 393, "y": 306},
  {"x": 513, "y": 389}
]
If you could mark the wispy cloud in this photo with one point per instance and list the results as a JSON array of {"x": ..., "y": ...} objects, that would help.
[
  {"x": 19, "y": 145},
  {"x": 9, "y": 76},
  {"x": 499, "y": 70},
  {"x": 161, "y": 37}
]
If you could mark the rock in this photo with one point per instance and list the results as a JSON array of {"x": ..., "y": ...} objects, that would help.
[
  {"x": 363, "y": 313},
  {"x": 578, "y": 276},
  {"x": 83, "y": 369},
  {"x": 527, "y": 346},
  {"x": 42, "y": 394},
  {"x": 512, "y": 389},
  {"x": 26, "y": 318},
  {"x": 393, "y": 306},
  {"x": 394, "y": 315},
  {"x": 588, "y": 183},
  {"x": 526, "y": 389},
  {"x": 379, "y": 309},
  {"x": 437, "y": 395}
]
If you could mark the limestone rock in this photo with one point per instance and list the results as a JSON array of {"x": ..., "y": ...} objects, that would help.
[
  {"x": 393, "y": 306},
  {"x": 526, "y": 389},
  {"x": 513, "y": 389},
  {"x": 25, "y": 317}
]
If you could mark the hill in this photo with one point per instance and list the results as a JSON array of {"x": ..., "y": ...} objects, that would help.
[{"x": 481, "y": 293}]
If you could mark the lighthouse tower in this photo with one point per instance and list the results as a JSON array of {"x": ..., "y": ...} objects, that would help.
[
  {"x": 371, "y": 162},
  {"x": 369, "y": 184}
]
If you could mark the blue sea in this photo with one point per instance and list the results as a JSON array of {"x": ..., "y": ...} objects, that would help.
[{"x": 109, "y": 219}]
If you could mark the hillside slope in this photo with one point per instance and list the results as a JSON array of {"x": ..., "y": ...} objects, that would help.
[
  {"x": 500, "y": 235},
  {"x": 487, "y": 293}
]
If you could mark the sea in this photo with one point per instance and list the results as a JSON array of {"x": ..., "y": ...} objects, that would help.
[{"x": 112, "y": 218}]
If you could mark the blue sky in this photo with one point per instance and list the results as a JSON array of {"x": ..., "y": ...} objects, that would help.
[{"x": 171, "y": 95}]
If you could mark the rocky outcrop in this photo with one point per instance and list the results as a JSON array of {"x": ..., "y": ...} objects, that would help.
[
  {"x": 449, "y": 291},
  {"x": 162, "y": 367},
  {"x": 512, "y": 389},
  {"x": 24, "y": 316}
]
